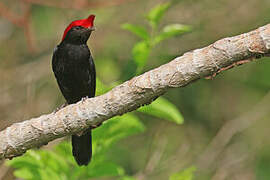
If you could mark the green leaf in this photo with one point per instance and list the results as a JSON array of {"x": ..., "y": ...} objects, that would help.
[
  {"x": 137, "y": 30},
  {"x": 140, "y": 53},
  {"x": 115, "y": 129},
  {"x": 24, "y": 161},
  {"x": 162, "y": 108},
  {"x": 59, "y": 164},
  {"x": 26, "y": 174},
  {"x": 171, "y": 31},
  {"x": 186, "y": 174},
  {"x": 40, "y": 165},
  {"x": 105, "y": 169},
  {"x": 101, "y": 88},
  {"x": 156, "y": 13},
  {"x": 104, "y": 137},
  {"x": 262, "y": 164}
]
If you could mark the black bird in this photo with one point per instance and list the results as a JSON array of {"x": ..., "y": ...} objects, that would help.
[{"x": 74, "y": 69}]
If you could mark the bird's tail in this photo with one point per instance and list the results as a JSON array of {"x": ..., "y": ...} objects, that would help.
[{"x": 82, "y": 147}]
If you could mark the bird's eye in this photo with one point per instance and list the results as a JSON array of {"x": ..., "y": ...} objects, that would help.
[{"x": 77, "y": 27}]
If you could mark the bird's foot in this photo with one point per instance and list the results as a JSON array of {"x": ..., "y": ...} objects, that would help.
[
  {"x": 84, "y": 98},
  {"x": 62, "y": 106}
]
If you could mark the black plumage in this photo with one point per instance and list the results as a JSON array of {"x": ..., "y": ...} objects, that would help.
[{"x": 74, "y": 70}]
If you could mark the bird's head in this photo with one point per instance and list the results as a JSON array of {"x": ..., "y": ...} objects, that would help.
[{"x": 79, "y": 31}]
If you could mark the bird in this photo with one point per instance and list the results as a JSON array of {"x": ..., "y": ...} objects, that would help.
[{"x": 75, "y": 73}]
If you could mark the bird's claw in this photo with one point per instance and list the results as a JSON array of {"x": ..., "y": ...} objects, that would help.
[{"x": 84, "y": 98}]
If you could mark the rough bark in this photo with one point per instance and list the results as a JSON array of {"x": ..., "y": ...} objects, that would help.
[{"x": 140, "y": 90}]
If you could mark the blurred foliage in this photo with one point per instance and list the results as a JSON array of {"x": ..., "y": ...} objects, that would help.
[
  {"x": 157, "y": 109},
  {"x": 151, "y": 38},
  {"x": 186, "y": 174},
  {"x": 59, "y": 163},
  {"x": 29, "y": 87},
  {"x": 263, "y": 164}
]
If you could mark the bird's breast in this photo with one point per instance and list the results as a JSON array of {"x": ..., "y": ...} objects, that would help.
[{"x": 77, "y": 53}]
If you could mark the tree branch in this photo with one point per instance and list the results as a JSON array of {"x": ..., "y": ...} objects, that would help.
[{"x": 138, "y": 91}]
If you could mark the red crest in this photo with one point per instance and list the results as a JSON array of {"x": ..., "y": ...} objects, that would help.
[{"x": 89, "y": 22}]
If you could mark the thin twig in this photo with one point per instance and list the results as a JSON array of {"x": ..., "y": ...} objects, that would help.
[
  {"x": 231, "y": 128},
  {"x": 9, "y": 15}
]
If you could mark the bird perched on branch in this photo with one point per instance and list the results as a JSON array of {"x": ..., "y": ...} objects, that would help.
[{"x": 74, "y": 69}]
